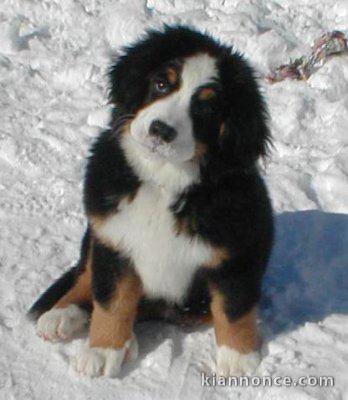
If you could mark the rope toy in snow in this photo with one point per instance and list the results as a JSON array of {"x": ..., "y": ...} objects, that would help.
[{"x": 331, "y": 43}]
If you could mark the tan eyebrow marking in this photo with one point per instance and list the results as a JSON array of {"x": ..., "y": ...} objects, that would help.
[
  {"x": 172, "y": 75},
  {"x": 206, "y": 93},
  {"x": 222, "y": 129}
]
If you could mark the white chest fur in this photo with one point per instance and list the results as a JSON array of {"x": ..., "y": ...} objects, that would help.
[{"x": 144, "y": 230}]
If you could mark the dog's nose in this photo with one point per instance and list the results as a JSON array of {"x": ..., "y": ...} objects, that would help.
[{"x": 162, "y": 130}]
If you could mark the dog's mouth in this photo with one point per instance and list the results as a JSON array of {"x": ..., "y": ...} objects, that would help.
[
  {"x": 158, "y": 146},
  {"x": 154, "y": 147}
]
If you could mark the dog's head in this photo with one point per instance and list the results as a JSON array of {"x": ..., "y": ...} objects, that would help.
[{"x": 183, "y": 97}]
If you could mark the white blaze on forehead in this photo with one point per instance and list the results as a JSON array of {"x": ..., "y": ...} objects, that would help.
[
  {"x": 152, "y": 158},
  {"x": 197, "y": 70}
]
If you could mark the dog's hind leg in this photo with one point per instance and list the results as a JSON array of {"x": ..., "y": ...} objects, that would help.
[{"x": 61, "y": 309}]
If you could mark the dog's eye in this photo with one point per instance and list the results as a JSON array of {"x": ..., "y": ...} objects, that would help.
[{"x": 161, "y": 86}]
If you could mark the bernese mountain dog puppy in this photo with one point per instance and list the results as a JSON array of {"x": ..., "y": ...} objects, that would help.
[{"x": 180, "y": 224}]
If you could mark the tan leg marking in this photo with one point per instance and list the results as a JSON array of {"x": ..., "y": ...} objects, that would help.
[
  {"x": 241, "y": 334},
  {"x": 81, "y": 292},
  {"x": 113, "y": 326}
]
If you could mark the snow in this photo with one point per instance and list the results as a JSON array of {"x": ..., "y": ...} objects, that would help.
[{"x": 53, "y": 59}]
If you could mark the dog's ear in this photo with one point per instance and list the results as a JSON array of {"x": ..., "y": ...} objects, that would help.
[
  {"x": 244, "y": 134},
  {"x": 129, "y": 73},
  {"x": 126, "y": 82}
]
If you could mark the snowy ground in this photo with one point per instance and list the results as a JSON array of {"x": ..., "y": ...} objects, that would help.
[{"x": 53, "y": 55}]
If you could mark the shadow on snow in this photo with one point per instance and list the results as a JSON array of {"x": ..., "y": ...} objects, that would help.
[{"x": 307, "y": 277}]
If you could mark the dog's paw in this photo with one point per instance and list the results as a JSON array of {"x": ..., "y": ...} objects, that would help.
[
  {"x": 230, "y": 362},
  {"x": 97, "y": 361},
  {"x": 61, "y": 323},
  {"x": 132, "y": 349}
]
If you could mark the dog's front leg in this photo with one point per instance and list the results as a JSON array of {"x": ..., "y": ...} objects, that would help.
[
  {"x": 117, "y": 291},
  {"x": 233, "y": 307}
]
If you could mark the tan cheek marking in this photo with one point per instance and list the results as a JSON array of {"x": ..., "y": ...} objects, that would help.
[
  {"x": 81, "y": 292},
  {"x": 132, "y": 195},
  {"x": 125, "y": 128},
  {"x": 219, "y": 255},
  {"x": 206, "y": 94},
  {"x": 113, "y": 326},
  {"x": 200, "y": 150},
  {"x": 185, "y": 226},
  {"x": 181, "y": 226},
  {"x": 241, "y": 334}
]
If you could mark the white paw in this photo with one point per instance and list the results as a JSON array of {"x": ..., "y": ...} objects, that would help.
[
  {"x": 230, "y": 362},
  {"x": 132, "y": 349},
  {"x": 61, "y": 323},
  {"x": 96, "y": 361}
]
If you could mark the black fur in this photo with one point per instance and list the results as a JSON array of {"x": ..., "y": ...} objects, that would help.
[
  {"x": 233, "y": 212},
  {"x": 108, "y": 177},
  {"x": 107, "y": 267}
]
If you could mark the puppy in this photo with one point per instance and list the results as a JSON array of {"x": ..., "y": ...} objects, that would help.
[{"x": 179, "y": 221}]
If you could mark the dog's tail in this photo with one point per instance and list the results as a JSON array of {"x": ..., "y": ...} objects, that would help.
[{"x": 63, "y": 284}]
